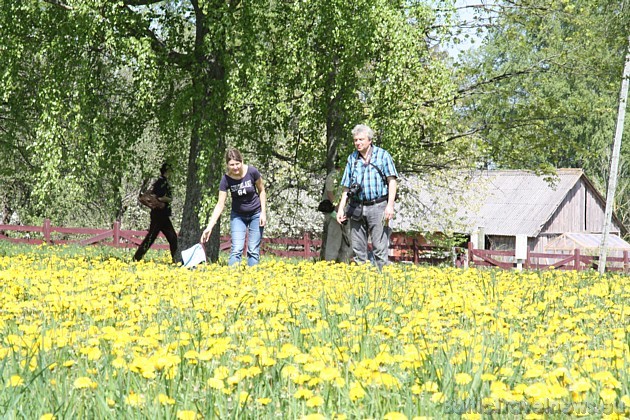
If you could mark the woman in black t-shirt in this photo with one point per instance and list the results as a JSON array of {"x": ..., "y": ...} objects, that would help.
[{"x": 249, "y": 208}]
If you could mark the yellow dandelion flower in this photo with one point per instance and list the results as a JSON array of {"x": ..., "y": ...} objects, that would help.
[
  {"x": 94, "y": 353},
  {"x": 607, "y": 379},
  {"x": 313, "y": 382},
  {"x": 580, "y": 385},
  {"x": 134, "y": 400},
  {"x": 394, "y": 415},
  {"x": 356, "y": 392},
  {"x": 438, "y": 398},
  {"x": 303, "y": 393},
  {"x": 216, "y": 383},
  {"x": 84, "y": 383},
  {"x": 301, "y": 379},
  {"x": 608, "y": 395},
  {"x": 47, "y": 416},
  {"x": 186, "y": 415},
  {"x": 430, "y": 386},
  {"x": 110, "y": 402},
  {"x": 267, "y": 361},
  {"x": 614, "y": 416},
  {"x": 221, "y": 372},
  {"x": 165, "y": 399},
  {"x": 506, "y": 371},
  {"x": 557, "y": 391},
  {"x": 245, "y": 359},
  {"x": 15, "y": 380},
  {"x": 385, "y": 379},
  {"x": 463, "y": 379},
  {"x": 315, "y": 401},
  {"x": 471, "y": 416},
  {"x": 535, "y": 371},
  {"x": 536, "y": 391},
  {"x": 243, "y": 397},
  {"x": 301, "y": 358},
  {"x": 329, "y": 374},
  {"x": 316, "y": 366},
  {"x": 490, "y": 403},
  {"x": 314, "y": 416},
  {"x": 263, "y": 401},
  {"x": 339, "y": 382},
  {"x": 119, "y": 363},
  {"x": 559, "y": 359}
]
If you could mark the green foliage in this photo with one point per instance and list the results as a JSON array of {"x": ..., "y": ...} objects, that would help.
[
  {"x": 544, "y": 86},
  {"x": 101, "y": 93}
]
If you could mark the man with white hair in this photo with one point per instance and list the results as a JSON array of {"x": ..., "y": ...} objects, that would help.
[{"x": 369, "y": 190}]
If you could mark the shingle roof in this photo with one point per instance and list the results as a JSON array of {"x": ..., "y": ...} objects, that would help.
[{"x": 503, "y": 202}]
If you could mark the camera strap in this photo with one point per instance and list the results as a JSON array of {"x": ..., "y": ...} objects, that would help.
[
  {"x": 380, "y": 172},
  {"x": 368, "y": 162}
]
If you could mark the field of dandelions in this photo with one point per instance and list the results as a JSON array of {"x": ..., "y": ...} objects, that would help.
[{"x": 87, "y": 334}]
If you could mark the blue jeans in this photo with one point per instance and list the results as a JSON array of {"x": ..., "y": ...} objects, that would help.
[{"x": 239, "y": 225}]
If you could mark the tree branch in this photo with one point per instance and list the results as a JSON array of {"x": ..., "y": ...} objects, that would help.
[
  {"x": 156, "y": 43},
  {"x": 59, "y": 4},
  {"x": 141, "y": 2}
]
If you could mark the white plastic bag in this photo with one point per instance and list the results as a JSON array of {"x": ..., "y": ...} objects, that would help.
[{"x": 193, "y": 256}]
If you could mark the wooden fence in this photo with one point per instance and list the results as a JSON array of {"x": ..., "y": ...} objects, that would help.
[
  {"x": 308, "y": 247},
  {"x": 543, "y": 260},
  {"x": 305, "y": 247}
]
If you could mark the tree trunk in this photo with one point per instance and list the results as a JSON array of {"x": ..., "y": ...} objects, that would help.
[
  {"x": 334, "y": 127},
  {"x": 190, "y": 231},
  {"x": 207, "y": 134}
]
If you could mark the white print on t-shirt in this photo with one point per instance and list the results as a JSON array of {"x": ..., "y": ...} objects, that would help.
[{"x": 241, "y": 189}]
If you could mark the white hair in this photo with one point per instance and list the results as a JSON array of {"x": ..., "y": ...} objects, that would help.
[{"x": 362, "y": 128}]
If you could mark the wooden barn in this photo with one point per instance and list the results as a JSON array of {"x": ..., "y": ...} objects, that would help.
[{"x": 499, "y": 205}]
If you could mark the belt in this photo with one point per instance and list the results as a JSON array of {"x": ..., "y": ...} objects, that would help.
[{"x": 375, "y": 201}]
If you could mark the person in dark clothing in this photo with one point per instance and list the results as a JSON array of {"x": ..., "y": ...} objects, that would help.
[{"x": 160, "y": 218}]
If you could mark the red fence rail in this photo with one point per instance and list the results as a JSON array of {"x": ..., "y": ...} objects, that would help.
[
  {"x": 308, "y": 247},
  {"x": 543, "y": 260},
  {"x": 305, "y": 247}
]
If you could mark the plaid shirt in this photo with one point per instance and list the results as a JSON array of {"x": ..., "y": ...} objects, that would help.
[{"x": 366, "y": 175}]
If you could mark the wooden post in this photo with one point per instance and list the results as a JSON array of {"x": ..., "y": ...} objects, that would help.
[
  {"x": 416, "y": 257},
  {"x": 625, "y": 261},
  {"x": 46, "y": 230},
  {"x": 307, "y": 245},
  {"x": 614, "y": 163},
  {"x": 527, "y": 264},
  {"x": 116, "y": 238},
  {"x": 470, "y": 253},
  {"x": 576, "y": 261}
]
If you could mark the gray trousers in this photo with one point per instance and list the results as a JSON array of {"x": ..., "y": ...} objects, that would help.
[{"x": 370, "y": 223}]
